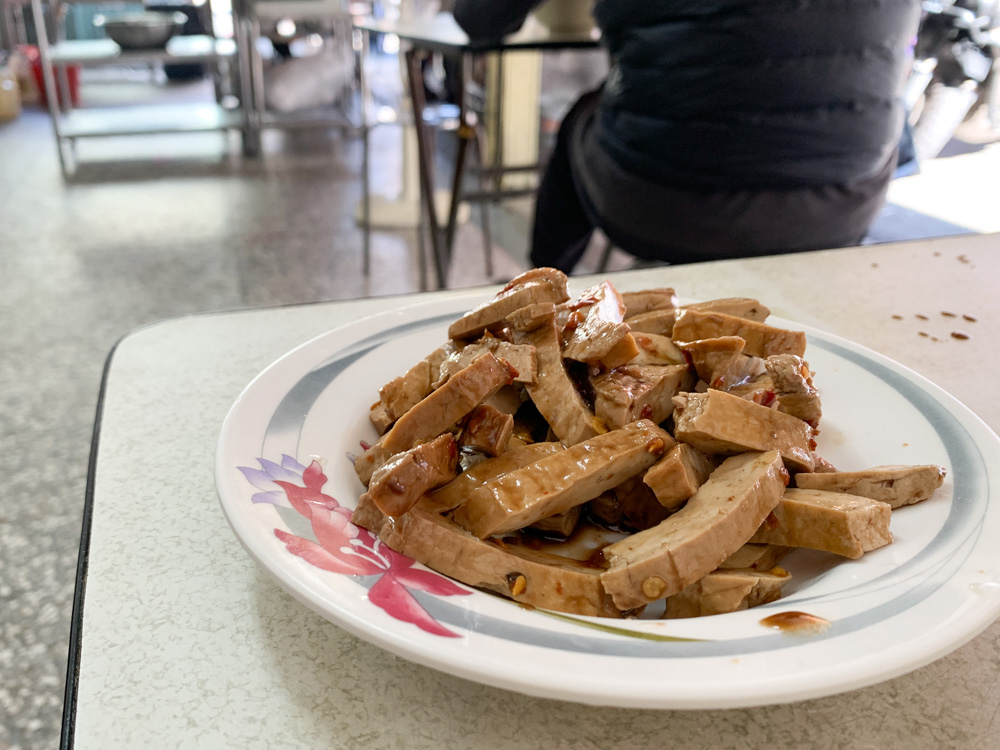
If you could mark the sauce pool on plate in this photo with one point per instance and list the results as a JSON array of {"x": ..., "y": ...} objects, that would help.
[{"x": 796, "y": 622}]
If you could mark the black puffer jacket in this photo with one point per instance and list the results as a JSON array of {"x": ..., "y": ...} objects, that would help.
[{"x": 730, "y": 94}]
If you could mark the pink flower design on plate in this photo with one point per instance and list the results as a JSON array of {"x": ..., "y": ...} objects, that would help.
[{"x": 342, "y": 547}]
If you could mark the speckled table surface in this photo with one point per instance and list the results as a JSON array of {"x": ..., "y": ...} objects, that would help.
[{"x": 186, "y": 643}]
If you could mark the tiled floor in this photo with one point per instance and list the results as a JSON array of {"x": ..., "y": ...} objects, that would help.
[{"x": 153, "y": 228}]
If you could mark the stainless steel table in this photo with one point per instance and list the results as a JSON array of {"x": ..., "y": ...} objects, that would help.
[{"x": 180, "y": 641}]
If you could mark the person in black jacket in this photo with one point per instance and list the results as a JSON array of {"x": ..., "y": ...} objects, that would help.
[{"x": 725, "y": 128}]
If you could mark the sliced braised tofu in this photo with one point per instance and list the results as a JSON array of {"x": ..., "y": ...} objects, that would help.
[
  {"x": 895, "y": 485},
  {"x": 367, "y": 515},
  {"x": 847, "y": 525},
  {"x": 556, "y": 483},
  {"x": 825, "y": 467},
  {"x": 638, "y": 504},
  {"x": 633, "y": 392},
  {"x": 745, "y": 370},
  {"x": 723, "y": 591},
  {"x": 454, "y": 493},
  {"x": 793, "y": 387},
  {"x": 721, "y": 516},
  {"x": 397, "y": 484},
  {"x": 561, "y": 524},
  {"x": 712, "y": 358},
  {"x": 738, "y": 307},
  {"x": 718, "y": 422},
  {"x": 607, "y": 509},
  {"x": 678, "y": 475},
  {"x": 521, "y": 358},
  {"x": 756, "y": 556},
  {"x": 553, "y": 393},
  {"x": 530, "y": 317},
  {"x": 621, "y": 353},
  {"x": 596, "y": 324},
  {"x": 487, "y": 430},
  {"x": 518, "y": 573},
  {"x": 611, "y": 512},
  {"x": 660, "y": 322},
  {"x": 507, "y": 400},
  {"x": 762, "y": 340},
  {"x": 721, "y": 363},
  {"x": 538, "y": 285},
  {"x": 401, "y": 394},
  {"x": 656, "y": 349},
  {"x": 759, "y": 389},
  {"x": 637, "y": 303},
  {"x": 438, "y": 412}
]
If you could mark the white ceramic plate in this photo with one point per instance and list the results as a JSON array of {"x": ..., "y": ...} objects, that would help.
[{"x": 897, "y": 608}]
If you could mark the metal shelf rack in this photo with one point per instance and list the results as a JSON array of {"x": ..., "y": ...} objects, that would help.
[{"x": 69, "y": 124}]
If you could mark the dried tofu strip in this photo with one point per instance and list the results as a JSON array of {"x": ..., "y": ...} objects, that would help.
[
  {"x": 721, "y": 362},
  {"x": 558, "y": 482},
  {"x": 487, "y": 430},
  {"x": 847, "y": 525},
  {"x": 561, "y": 524},
  {"x": 621, "y": 353},
  {"x": 532, "y": 287},
  {"x": 756, "y": 556},
  {"x": 895, "y": 485},
  {"x": 656, "y": 349},
  {"x": 518, "y": 573},
  {"x": 596, "y": 326},
  {"x": 401, "y": 481},
  {"x": 723, "y": 591},
  {"x": 721, "y": 516},
  {"x": 718, "y": 422},
  {"x": 553, "y": 393},
  {"x": 454, "y": 493},
  {"x": 634, "y": 392},
  {"x": 507, "y": 400},
  {"x": 401, "y": 394},
  {"x": 660, "y": 322},
  {"x": 521, "y": 358},
  {"x": 678, "y": 475},
  {"x": 793, "y": 387},
  {"x": 367, "y": 515},
  {"x": 759, "y": 389},
  {"x": 638, "y": 505},
  {"x": 530, "y": 317},
  {"x": 713, "y": 358},
  {"x": 606, "y": 508},
  {"x": 762, "y": 340},
  {"x": 647, "y": 300},
  {"x": 738, "y": 307},
  {"x": 437, "y": 413}
]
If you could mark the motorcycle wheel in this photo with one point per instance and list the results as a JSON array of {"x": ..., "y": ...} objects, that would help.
[{"x": 944, "y": 109}]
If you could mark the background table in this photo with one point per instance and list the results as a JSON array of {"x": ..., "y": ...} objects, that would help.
[
  {"x": 441, "y": 34},
  {"x": 180, "y": 641}
]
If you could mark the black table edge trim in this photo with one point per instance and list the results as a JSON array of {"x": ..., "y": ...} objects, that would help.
[
  {"x": 67, "y": 734},
  {"x": 76, "y": 623}
]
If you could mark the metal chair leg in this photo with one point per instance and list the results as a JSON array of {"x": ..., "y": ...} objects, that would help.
[
  {"x": 602, "y": 265},
  {"x": 366, "y": 205},
  {"x": 422, "y": 251},
  {"x": 366, "y": 191},
  {"x": 415, "y": 82},
  {"x": 484, "y": 187}
]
